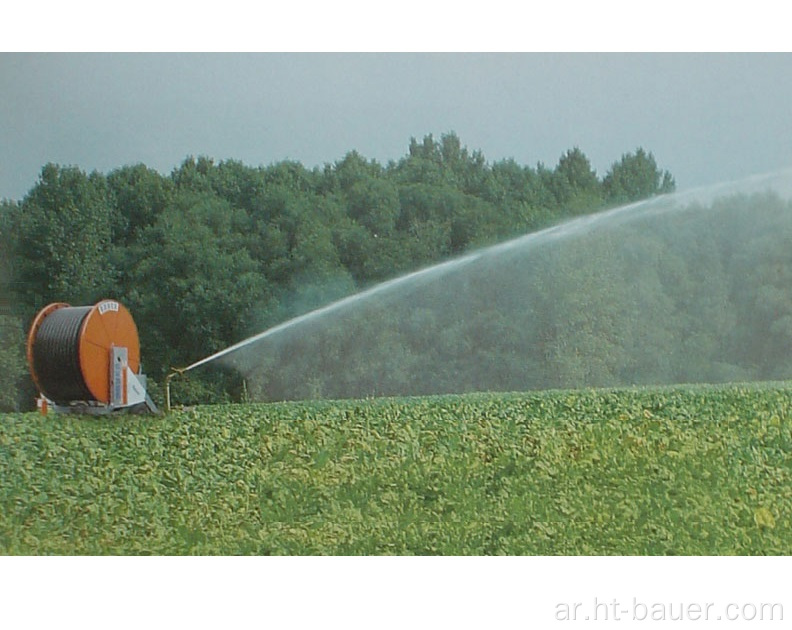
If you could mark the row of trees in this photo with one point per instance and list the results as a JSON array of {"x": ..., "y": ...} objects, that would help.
[
  {"x": 665, "y": 293},
  {"x": 214, "y": 252}
]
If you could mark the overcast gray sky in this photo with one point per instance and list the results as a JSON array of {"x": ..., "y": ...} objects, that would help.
[{"x": 706, "y": 117}]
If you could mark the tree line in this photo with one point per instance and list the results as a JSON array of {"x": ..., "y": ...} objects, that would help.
[
  {"x": 217, "y": 251},
  {"x": 665, "y": 292}
]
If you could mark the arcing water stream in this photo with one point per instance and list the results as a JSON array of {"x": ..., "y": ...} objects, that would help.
[{"x": 690, "y": 287}]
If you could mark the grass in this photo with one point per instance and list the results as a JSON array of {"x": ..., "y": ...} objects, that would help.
[{"x": 680, "y": 470}]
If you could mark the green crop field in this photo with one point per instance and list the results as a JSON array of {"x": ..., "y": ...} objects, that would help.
[{"x": 684, "y": 470}]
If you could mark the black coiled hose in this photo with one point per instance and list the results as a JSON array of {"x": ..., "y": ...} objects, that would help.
[{"x": 56, "y": 355}]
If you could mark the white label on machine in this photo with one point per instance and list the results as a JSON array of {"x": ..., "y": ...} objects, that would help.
[
  {"x": 108, "y": 305},
  {"x": 118, "y": 358}
]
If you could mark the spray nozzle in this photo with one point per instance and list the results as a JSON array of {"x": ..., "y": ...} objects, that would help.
[{"x": 174, "y": 372}]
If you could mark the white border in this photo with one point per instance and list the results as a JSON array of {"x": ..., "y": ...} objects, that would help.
[
  {"x": 410, "y": 25},
  {"x": 367, "y": 593}
]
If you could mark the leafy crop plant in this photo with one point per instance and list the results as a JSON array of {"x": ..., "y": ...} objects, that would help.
[{"x": 649, "y": 471}]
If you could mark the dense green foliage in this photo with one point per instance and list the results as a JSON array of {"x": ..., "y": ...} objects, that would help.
[
  {"x": 702, "y": 470},
  {"x": 217, "y": 251},
  {"x": 667, "y": 291}
]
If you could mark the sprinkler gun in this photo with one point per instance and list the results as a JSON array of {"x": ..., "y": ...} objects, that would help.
[{"x": 168, "y": 378}]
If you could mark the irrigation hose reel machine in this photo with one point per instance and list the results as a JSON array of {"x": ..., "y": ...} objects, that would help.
[{"x": 86, "y": 359}]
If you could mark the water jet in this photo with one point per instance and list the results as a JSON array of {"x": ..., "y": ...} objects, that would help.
[{"x": 694, "y": 286}]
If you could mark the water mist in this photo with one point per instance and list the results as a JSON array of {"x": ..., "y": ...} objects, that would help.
[{"x": 690, "y": 287}]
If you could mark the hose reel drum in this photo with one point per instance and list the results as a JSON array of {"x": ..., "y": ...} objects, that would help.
[{"x": 87, "y": 359}]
